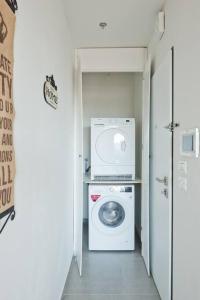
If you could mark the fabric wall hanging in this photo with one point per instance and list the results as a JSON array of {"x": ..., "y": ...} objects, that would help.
[{"x": 7, "y": 157}]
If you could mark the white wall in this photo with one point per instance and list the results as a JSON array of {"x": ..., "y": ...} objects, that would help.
[
  {"x": 112, "y": 59},
  {"x": 182, "y": 32},
  {"x": 113, "y": 95},
  {"x": 36, "y": 249}
]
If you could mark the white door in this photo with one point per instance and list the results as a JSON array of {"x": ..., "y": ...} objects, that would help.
[
  {"x": 78, "y": 180},
  {"x": 145, "y": 164},
  {"x": 161, "y": 198}
]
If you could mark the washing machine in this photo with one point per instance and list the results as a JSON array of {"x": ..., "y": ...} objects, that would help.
[
  {"x": 111, "y": 217},
  {"x": 112, "y": 149}
]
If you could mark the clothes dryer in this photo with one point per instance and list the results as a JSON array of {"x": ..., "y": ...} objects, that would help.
[{"x": 112, "y": 149}]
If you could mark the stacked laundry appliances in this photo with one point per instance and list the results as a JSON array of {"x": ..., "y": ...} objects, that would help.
[{"x": 111, "y": 196}]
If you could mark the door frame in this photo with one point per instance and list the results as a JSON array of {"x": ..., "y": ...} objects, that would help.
[
  {"x": 78, "y": 209},
  {"x": 172, "y": 204},
  {"x": 145, "y": 189},
  {"x": 106, "y": 60}
]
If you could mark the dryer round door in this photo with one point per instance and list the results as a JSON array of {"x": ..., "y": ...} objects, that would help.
[
  {"x": 112, "y": 146},
  {"x": 112, "y": 215}
]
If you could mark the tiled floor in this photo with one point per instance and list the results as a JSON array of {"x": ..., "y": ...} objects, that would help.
[{"x": 110, "y": 276}]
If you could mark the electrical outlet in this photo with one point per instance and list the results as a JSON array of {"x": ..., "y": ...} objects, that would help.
[{"x": 183, "y": 167}]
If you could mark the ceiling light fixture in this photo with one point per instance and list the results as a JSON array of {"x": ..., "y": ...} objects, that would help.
[{"x": 103, "y": 25}]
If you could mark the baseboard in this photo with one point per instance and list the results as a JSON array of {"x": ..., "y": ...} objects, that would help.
[{"x": 67, "y": 274}]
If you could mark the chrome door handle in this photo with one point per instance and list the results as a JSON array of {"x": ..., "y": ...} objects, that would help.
[{"x": 165, "y": 180}]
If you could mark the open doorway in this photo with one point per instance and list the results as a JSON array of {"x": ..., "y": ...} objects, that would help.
[
  {"x": 112, "y": 273},
  {"x": 89, "y": 87}
]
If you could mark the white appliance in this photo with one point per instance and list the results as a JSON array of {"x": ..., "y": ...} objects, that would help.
[
  {"x": 112, "y": 149},
  {"x": 111, "y": 217}
]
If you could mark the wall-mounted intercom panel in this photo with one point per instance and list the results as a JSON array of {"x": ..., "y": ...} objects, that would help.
[{"x": 190, "y": 143}]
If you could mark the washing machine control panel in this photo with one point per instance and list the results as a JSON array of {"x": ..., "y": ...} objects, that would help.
[{"x": 121, "y": 189}]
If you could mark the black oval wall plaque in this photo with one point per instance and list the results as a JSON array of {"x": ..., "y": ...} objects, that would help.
[{"x": 50, "y": 92}]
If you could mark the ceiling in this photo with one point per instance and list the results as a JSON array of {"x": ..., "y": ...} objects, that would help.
[{"x": 130, "y": 22}]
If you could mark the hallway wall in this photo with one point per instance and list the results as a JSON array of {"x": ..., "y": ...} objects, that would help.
[
  {"x": 36, "y": 249},
  {"x": 182, "y": 32}
]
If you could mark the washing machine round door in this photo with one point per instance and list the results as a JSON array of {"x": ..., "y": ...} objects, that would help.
[
  {"x": 113, "y": 214},
  {"x": 112, "y": 146}
]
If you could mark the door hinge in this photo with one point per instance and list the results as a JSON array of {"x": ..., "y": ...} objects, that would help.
[{"x": 172, "y": 126}]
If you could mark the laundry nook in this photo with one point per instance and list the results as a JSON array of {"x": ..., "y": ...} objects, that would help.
[
  {"x": 111, "y": 211},
  {"x": 112, "y": 135},
  {"x": 111, "y": 123}
]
